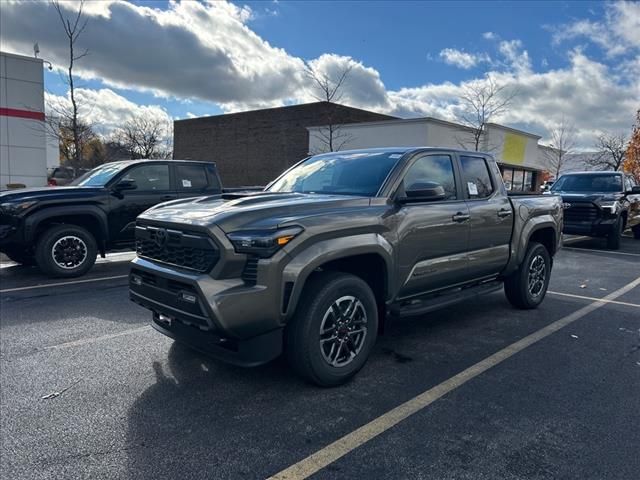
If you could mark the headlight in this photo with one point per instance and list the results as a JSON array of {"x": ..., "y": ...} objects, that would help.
[
  {"x": 263, "y": 243},
  {"x": 612, "y": 206},
  {"x": 15, "y": 208}
]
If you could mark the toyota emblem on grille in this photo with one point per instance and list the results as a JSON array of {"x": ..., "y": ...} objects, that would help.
[
  {"x": 566, "y": 205},
  {"x": 161, "y": 237}
]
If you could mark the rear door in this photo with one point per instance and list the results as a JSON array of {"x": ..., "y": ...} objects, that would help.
[
  {"x": 433, "y": 235},
  {"x": 195, "y": 179},
  {"x": 491, "y": 222}
]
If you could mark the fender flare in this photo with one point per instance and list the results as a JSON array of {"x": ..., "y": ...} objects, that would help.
[
  {"x": 519, "y": 245},
  {"x": 32, "y": 221},
  {"x": 304, "y": 263}
]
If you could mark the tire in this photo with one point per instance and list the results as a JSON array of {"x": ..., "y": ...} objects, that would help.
[
  {"x": 22, "y": 256},
  {"x": 636, "y": 232},
  {"x": 322, "y": 293},
  {"x": 517, "y": 285},
  {"x": 66, "y": 251},
  {"x": 613, "y": 239}
]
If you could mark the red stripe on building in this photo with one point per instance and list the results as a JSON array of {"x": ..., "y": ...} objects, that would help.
[{"x": 14, "y": 112}]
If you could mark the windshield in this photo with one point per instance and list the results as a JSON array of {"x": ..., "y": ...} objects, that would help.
[
  {"x": 348, "y": 173},
  {"x": 99, "y": 176},
  {"x": 588, "y": 183}
]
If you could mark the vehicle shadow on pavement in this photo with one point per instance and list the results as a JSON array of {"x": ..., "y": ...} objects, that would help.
[
  {"x": 200, "y": 418},
  {"x": 205, "y": 419}
]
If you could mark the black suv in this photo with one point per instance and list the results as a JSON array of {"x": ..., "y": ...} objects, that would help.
[
  {"x": 63, "y": 229},
  {"x": 600, "y": 204}
]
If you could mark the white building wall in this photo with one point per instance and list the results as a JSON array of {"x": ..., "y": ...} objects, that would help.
[
  {"x": 22, "y": 133},
  {"x": 508, "y": 145}
]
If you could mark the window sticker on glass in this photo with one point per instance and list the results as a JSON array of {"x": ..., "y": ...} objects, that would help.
[
  {"x": 473, "y": 189},
  {"x": 186, "y": 183}
]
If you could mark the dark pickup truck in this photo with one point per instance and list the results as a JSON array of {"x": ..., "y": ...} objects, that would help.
[
  {"x": 313, "y": 265},
  {"x": 63, "y": 229},
  {"x": 600, "y": 204}
]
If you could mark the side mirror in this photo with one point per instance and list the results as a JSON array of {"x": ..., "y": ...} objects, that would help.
[
  {"x": 126, "y": 184},
  {"x": 424, "y": 192},
  {"x": 634, "y": 190}
]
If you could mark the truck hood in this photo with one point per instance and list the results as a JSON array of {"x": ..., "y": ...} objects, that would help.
[
  {"x": 263, "y": 210},
  {"x": 48, "y": 193},
  {"x": 589, "y": 196}
]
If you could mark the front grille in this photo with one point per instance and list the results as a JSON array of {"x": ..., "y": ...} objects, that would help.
[
  {"x": 250, "y": 271},
  {"x": 579, "y": 212},
  {"x": 189, "y": 250}
]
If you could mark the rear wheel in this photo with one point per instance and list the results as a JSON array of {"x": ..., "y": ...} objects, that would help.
[
  {"x": 334, "y": 330},
  {"x": 526, "y": 287},
  {"x": 613, "y": 239},
  {"x": 66, "y": 251}
]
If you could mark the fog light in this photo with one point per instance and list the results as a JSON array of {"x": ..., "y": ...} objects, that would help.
[
  {"x": 187, "y": 297},
  {"x": 164, "y": 319},
  {"x": 136, "y": 279}
]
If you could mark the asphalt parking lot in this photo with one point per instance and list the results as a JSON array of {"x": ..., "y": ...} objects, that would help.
[{"x": 484, "y": 390}]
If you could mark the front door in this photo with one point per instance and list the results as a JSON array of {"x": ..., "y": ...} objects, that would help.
[
  {"x": 152, "y": 186},
  {"x": 491, "y": 215},
  {"x": 432, "y": 235}
]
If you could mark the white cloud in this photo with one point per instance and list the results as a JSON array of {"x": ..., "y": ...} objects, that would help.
[
  {"x": 462, "y": 59},
  {"x": 194, "y": 50},
  {"x": 105, "y": 109},
  {"x": 617, "y": 33},
  {"x": 206, "y": 51},
  {"x": 516, "y": 57}
]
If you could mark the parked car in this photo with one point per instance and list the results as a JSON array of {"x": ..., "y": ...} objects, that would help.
[
  {"x": 315, "y": 263},
  {"x": 63, "y": 229},
  {"x": 546, "y": 185},
  {"x": 61, "y": 176},
  {"x": 600, "y": 204}
]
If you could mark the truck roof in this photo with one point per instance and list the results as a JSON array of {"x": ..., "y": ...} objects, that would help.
[{"x": 408, "y": 150}]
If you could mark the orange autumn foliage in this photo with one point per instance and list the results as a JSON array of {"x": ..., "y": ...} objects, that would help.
[{"x": 632, "y": 157}]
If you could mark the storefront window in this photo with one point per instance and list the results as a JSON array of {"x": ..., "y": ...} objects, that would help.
[{"x": 518, "y": 180}]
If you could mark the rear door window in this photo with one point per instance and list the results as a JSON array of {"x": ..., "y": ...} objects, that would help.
[
  {"x": 476, "y": 178},
  {"x": 191, "y": 177}
]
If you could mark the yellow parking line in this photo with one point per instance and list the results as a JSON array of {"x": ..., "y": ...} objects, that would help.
[
  {"x": 594, "y": 299},
  {"x": 73, "y": 282},
  {"x": 332, "y": 452}
]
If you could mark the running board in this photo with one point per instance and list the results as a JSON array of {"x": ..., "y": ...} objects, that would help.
[{"x": 436, "y": 301}]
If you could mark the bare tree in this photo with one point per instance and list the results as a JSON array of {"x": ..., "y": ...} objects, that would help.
[
  {"x": 330, "y": 89},
  {"x": 480, "y": 103},
  {"x": 611, "y": 149},
  {"x": 67, "y": 116},
  {"x": 144, "y": 137},
  {"x": 563, "y": 141}
]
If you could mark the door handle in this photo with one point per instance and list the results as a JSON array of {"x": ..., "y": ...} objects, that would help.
[
  {"x": 460, "y": 217},
  {"x": 504, "y": 213}
]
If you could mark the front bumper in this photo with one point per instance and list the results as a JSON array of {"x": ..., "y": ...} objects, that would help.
[
  {"x": 599, "y": 228},
  {"x": 225, "y": 318}
]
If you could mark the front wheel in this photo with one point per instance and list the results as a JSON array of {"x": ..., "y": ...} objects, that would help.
[
  {"x": 614, "y": 238},
  {"x": 334, "y": 330},
  {"x": 66, "y": 251},
  {"x": 526, "y": 287}
]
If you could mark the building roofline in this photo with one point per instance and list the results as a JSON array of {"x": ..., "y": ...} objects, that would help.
[
  {"x": 429, "y": 120},
  {"x": 284, "y": 107},
  {"x": 21, "y": 57}
]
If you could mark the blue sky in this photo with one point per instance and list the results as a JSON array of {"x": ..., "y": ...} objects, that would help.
[{"x": 575, "y": 60}]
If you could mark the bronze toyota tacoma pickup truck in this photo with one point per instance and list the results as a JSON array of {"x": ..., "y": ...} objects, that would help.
[{"x": 339, "y": 243}]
